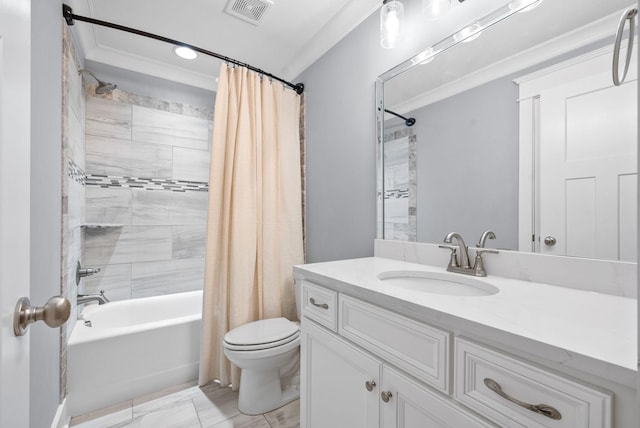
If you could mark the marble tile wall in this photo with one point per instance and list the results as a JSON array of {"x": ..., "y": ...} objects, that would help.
[
  {"x": 400, "y": 183},
  {"x": 73, "y": 190},
  {"x": 147, "y": 172}
]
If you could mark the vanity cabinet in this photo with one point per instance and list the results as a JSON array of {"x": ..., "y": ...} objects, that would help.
[
  {"x": 365, "y": 366},
  {"x": 336, "y": 377},
  {"x": 346, "y": 385}
]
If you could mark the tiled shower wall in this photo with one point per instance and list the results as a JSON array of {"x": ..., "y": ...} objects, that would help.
[
  {"x": 400, "y": 184},
  {"x": 73, "y": 194},
  {"x": 147, "y": 168}
]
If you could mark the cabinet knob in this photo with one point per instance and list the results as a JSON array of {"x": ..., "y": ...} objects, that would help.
[
  {"x": 386, "y": 396},
  {"x": 370, "y": 384}
]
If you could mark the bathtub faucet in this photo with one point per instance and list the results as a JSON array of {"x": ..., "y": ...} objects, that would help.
[{"x": 97, "y": 297}]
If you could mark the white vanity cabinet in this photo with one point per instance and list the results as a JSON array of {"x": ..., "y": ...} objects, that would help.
[
  {"x": 365, "y": 366},
  {"x": 353, "y": 383}
]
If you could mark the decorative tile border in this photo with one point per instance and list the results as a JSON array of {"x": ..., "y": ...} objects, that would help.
[
  {"x": 74, "y": 172},
  {"x": 112, "y": 181},
  {"x": 151, "y": 102},
  {"x": 397, "y": 194}
]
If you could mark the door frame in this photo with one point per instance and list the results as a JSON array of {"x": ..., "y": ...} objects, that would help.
[{"x": 15, "y": 171}]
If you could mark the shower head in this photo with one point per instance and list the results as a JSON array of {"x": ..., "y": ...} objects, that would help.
[{"x": 103, "y": 87}]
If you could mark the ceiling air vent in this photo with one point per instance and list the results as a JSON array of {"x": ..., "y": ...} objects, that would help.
[{"x": 251, "y": 11}]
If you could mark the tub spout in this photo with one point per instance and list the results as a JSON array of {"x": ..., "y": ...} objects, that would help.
[{"x": 96, "y": 297}]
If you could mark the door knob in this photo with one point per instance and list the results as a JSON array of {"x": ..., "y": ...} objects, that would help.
[
  {"x": 550, "y": 241},
  {"x": 370, "y": 384},
  {"x": 54, "y": 313},
  {"x": 386, "y": 396}
]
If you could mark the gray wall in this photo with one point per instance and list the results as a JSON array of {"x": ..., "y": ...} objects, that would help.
[
  {"x": 467, "y": 155},
  {"x": 340, "y": 124},
  {"x": 46, "y": 87}
]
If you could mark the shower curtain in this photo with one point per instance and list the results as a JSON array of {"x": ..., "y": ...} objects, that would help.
[{"x": 254, "y": 225}]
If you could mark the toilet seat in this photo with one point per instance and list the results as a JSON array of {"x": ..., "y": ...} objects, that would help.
[{"x": 262, "y": 334}]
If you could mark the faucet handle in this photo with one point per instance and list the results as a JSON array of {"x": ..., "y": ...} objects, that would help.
[
  {"x": 478, "y": 266},
  {"x": 480, "y": 252},
  {"x": 453, "y": 262}
]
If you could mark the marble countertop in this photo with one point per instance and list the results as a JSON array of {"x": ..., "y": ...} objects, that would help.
[{"x": 584, "y": 330}]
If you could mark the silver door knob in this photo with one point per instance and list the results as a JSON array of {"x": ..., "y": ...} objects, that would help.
[
  {"x": 54, "y": 313},
  {"x": 386, "y": 396},
  {"x": 370, "y": 384},
  {"x": 550, "y": 241}
]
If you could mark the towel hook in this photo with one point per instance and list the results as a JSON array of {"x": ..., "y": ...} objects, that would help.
[{"x": 630, "y": 15}]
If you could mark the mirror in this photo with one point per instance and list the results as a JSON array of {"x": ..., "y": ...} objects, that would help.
[{"x": 478, "y": 155}]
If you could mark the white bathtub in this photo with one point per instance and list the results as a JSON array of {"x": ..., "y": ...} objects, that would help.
[{"x": 133, "y": 347}]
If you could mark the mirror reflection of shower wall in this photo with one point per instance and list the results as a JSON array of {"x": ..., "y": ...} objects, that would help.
[{"x": 399, "y": 183}]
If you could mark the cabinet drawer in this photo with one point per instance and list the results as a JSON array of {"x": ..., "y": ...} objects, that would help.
[
  {"x": 517, "y": 384},
  {"x": 319, "y": 304},
  {"x": 414, "y": 347}
]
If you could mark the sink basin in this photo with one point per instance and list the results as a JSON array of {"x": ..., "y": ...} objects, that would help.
[{"x": 438, "y": 283}]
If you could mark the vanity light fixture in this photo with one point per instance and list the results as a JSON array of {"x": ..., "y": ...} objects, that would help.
[
  {"x": 185, "y": 52},
  {"x": 468, "y": 33},
  {"x": 391, "y": 22},
  {"x": 434, "y": 9}
]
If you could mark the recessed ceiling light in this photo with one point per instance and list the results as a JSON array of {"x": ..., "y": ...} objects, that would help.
[{"x": 184, "y": 52}]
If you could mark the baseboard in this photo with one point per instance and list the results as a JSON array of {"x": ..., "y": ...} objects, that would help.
[{"x": 61, "y": 418}]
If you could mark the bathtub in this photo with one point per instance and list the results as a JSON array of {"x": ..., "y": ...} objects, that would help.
[{"x": 133, "y": 347}]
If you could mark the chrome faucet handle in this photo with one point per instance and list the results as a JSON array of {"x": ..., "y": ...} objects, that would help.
[
  {"x": 453, "y": 262},
  {"x": 478, "y": 266}
]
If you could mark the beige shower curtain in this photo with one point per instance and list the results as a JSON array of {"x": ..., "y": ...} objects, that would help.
[{"x": 254, "y": 225}]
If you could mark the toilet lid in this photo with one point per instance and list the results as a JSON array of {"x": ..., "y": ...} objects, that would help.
[{"x": 264, "y": 332}]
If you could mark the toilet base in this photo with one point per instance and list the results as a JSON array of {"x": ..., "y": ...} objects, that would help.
[{"x": 261, "y": 392}]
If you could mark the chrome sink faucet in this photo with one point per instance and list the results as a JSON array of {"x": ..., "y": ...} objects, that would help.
[
  {"x": 487, "y": 234},
  {"x": 96, "y": 297},
  {"x": 464, "y": 266},
  {"x": 463, "y": 250}
]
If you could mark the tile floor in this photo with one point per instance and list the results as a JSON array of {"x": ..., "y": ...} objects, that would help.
[{"x": 188, "y": 406}]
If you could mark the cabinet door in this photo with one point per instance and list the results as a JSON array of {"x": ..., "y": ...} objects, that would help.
[
  {"x": 334, "y": 374},
  {"x": 412, "y": 405}
]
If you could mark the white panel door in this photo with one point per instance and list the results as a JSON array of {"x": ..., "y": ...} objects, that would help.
[
  {"x": 588, "y": 163},
  {"x": 15, "y": 75},
  {"x": 334, "y": 378}
]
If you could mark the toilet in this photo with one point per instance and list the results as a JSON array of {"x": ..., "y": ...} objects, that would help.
[{"x": 268, "y": 355}]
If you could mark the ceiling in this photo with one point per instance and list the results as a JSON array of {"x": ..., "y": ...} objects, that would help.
[{"x": 289, "y": 38}]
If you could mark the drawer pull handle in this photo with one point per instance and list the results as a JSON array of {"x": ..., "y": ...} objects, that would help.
[
  {"x": 320, "y": 305},
  {"x": 386, "y": 396},
  {"x": 543, "y": 409},
  {"x": 370, "y": 384}
]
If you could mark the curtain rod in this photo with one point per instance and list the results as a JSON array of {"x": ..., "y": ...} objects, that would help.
[
  {"x": 409, "y": 121},
  {"x": 69, "y": 16}
]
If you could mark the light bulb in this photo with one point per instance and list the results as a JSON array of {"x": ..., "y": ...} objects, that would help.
[
  {"x": 434, "y": 9},
  {"x": 468, "y": 33},
  {"x": 424, "y": 57},
  {"x": 391, "y": 22}
]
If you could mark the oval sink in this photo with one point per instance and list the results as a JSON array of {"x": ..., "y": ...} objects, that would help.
[{"x": 438, "y": 283}]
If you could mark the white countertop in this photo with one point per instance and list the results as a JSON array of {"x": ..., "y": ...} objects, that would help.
[{"x": 580, "y": 329}]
